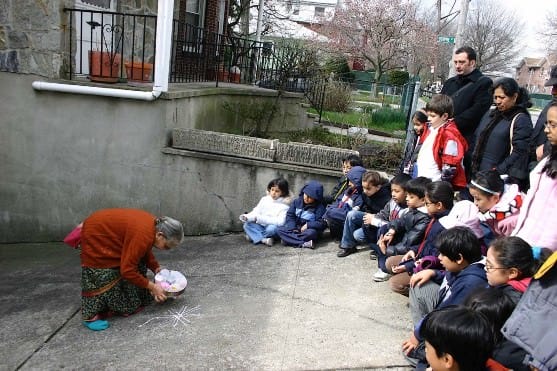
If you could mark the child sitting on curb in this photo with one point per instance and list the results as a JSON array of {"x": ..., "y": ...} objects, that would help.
[
  {"x": 399, "y": 235},
  {"x": 303, "y": 223},
  {"x": 376, "y": 193},
  {"x": 335, "y": 214},
  {"x": 348, "y": 163},
  {"x": 262, "y": 222}
]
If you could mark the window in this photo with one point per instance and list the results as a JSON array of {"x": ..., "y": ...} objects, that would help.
[
  {"x": 319, "y": 11},
  {"x": 194, "y": 12}
]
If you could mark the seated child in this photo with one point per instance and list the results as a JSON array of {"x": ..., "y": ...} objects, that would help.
[
  {"x": 261, "y": 223},
  {"x": 400, "y": 234},
  {"x": 348, "y": 163},
  {"x": 461, "y": 256},
  {"x": 419, "y": 122},
  {"x": 511, "y": 263},
  {"x": 335, "y": 214},
  {"x": 457, "y": 339},
  {"x": 497, "y": 305},
  {"x": 439, "y": 202},
  {"x": 498, "y": 203},
  {"x": 443, "y": 147},
  {"x": 376, "y": 193},
  {"x": 303, "y": 223}
]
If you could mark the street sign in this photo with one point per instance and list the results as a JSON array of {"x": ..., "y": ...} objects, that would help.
[{"x": 445, "y": 39}]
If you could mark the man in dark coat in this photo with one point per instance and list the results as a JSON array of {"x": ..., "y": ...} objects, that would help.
[{"x": 470, "y": 91}]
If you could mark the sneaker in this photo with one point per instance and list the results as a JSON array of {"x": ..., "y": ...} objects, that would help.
[
  {"x": 381, "y": 276},
  {"x": 307, "y": 245},
  {"x": 247, "y": 237},
  {"x": 268, "y": 241},
  {"x": 373, "y": 254}
]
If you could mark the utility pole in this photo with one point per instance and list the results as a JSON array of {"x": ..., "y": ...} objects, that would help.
[{"x": 459, "y": 39}]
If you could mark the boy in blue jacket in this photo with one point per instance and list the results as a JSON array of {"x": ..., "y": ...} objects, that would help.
[
  {"x": 460, "y": 254},
  {"x": 335, "y": 214},
  {"x": 303, "y": 223}
]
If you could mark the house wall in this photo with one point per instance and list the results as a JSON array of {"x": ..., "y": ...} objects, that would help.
[
  {"x": 66, "y": 155},
  {"x": 534, "y": 78}
]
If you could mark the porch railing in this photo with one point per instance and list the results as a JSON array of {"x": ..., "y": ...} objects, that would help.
[
  {"x": 117, "y": 47},
  {"x": 110, "y": 46}
]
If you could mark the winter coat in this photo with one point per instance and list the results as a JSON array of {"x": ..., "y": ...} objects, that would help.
[
  {"x": 390, "y": 212},
  {"x": 496, "y": 149},
  {"x": 539, "y": 209},
  {"x": 269, "y": 211},
  {"x": 533, "y": 324},
  {"x": 351, "y": 198},
  {"x": 337, "y": 191},
  {"x": 300, "y": 213},
  {"x": 502, "y": 217},
  {"x": 410, "y": 229},
  {"x": 456, "y": 287},
  {"x": 471, "y": 99},
  {"x": 426, "y": 246},
  {"x": 377, "y": 201},
  {"x": 449, "y": 149},
  {"x": 411, "y": 153}
]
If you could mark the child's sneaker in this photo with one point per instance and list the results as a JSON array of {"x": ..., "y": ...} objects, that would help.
[
  {"x": 307, "y": 245},
  {"x": 267, "y": 241},
  {"x": 381, "y": 276}
]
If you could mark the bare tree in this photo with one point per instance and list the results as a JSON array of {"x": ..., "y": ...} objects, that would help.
[
  {"x": 549, "y": 32},
  {"x": 378, "y": 31},
  {"x": 492, "y": 32}
]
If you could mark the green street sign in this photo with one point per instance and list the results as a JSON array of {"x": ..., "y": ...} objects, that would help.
[{"x": 445, "y": 39}]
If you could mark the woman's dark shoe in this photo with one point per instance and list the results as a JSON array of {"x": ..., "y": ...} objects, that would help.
[{"x": 345, "y": 252}]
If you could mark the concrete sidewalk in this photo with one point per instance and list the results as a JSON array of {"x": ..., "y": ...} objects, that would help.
[{"x": 245, "y": 307}]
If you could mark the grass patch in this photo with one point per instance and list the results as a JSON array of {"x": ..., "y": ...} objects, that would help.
[{"x": 382, "y": 119}]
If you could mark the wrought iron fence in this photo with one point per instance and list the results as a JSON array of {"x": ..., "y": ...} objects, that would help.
[
  {"x": 109, "y": 46},
  {"x": 114, "y": 47}
]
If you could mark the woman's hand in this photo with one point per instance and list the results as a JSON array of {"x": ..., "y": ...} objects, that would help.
[
  {"x": 421, "y": 277},
  {"x": 410, "y": 344},
  {"x": 157, "y": 292}
]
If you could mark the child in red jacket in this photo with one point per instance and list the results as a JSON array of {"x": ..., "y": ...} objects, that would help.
[{"x": 443, "y": 148}]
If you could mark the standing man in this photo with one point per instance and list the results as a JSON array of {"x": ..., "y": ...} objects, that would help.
[{"x": 469, "y": 89}]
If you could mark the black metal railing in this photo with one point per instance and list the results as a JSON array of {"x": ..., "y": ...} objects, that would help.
[{"x": 110, "y": 46}]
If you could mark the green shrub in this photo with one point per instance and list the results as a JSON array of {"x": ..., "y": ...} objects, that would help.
[
  {"x": 388, "y": 118},
  {"x": 381, "y": 156}
]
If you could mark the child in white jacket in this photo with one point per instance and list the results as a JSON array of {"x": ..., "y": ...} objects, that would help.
[{"x": 261, "y": 223}]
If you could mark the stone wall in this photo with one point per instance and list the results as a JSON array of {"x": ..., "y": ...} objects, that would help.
[
  {"x": 301, "y": 154},
  {"x": 72, "y": 154},
  {"x": 31, "y": 36}
]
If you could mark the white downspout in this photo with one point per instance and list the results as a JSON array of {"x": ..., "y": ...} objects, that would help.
[{"x": 162, "y": 64}]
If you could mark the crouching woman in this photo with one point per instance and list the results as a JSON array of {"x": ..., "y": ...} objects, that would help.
[{"x": 116, "y": 252}]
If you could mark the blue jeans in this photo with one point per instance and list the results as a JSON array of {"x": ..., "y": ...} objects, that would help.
[
  {"x": 353, "y": 233},
  {"x": 257, "y": 232}
]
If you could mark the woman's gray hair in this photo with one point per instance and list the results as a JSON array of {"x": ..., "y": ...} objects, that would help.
[{"x": 170, "y": 228}]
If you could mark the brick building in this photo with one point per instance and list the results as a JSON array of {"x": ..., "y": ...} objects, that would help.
[{"x": 532, "y": 73}]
